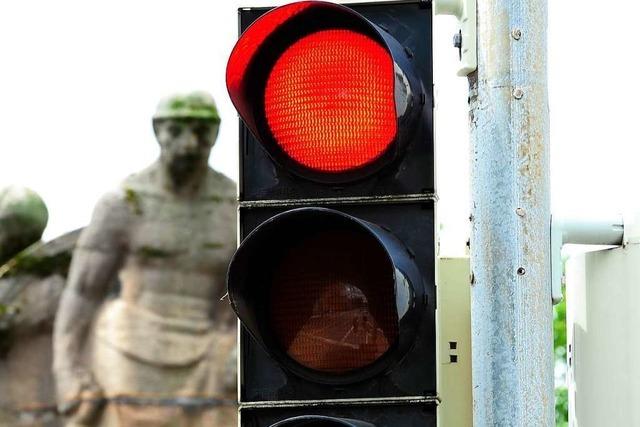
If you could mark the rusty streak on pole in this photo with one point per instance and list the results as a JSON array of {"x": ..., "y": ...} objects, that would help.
[{"x": 510, "y": 247}]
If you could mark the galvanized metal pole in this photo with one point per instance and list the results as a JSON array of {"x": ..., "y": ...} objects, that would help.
[{"x": 510, "y": 250}]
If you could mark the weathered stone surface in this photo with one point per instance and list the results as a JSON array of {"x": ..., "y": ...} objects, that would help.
[
  {"x": 160, "y": 346},
  {"x": 30, "y": 288}
]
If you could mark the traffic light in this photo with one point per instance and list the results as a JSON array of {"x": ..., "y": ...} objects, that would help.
[{"x": 334, "y": 279}]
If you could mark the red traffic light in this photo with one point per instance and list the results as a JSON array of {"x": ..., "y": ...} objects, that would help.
[
  {"x": 332, "y": 297},
  {"x": 326, "y": 92},
  {"x": 329, "y": 101}
]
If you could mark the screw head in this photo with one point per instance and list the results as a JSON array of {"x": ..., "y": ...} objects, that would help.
[
  {"x": 516, "y": 33},
  {"x": 518, "y": 93},
  {"x": 521, "y": 271}
]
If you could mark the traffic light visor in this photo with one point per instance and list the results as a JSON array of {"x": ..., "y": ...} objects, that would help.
[
  {"x": 325, "y": 293},
  {"x": 319, "y": 87}
]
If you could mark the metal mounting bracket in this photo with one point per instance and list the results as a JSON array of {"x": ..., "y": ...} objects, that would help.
[
  {"x": 609, "y": 231},
  {"x": 466, "y": 41}
]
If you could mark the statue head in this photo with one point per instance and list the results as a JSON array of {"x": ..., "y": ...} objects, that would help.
[
  {"x": 186, "y": 127},
  {"x": 23, "y": 218}
]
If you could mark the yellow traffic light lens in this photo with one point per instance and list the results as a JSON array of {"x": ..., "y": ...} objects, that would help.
[
  {"x": 329, "y": 101},
  {"x": 332, "y": 302}
]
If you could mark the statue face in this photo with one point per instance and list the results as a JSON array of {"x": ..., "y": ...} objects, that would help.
[{"x": 185, "y": 145}]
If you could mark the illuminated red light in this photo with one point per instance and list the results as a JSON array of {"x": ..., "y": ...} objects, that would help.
[
  {"x": 329, "y": 101},
  {"x": 250, "y": 43},
  {"x": 332, "y": 303}
]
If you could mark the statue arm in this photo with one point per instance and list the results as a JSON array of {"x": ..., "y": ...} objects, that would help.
[{"x": 95, "y": 262}]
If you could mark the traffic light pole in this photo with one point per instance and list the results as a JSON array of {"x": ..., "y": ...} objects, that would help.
[{"x": 510, "y": 246}]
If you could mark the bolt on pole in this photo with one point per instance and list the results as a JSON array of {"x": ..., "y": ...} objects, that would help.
[{"x": 512, "y": 339}]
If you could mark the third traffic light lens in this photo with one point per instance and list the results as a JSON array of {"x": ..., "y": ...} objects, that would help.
[
  {"x": 332, "y": 302},
  {"x": 329, "y": 101}
]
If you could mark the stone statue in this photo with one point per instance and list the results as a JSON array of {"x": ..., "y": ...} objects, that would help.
[
  {"x": 31, "y": 284},
  {"x": 31, "y": 280},
  {"x": 161, "y": 347}
]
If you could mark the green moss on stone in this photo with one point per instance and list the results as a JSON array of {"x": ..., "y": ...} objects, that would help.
[
  {"x": 6, "y": 334},
  {"x": 213, "y": 245},
  {"x": 151, "y": 252},
  {"x": 40, "y": 266},
  {"x": 220, "y": 199},
  {"x": 133, "y": 200},
  {"x": 196, "y": 105}
]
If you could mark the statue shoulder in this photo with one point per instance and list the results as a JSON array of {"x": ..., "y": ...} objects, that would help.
[
  {"x": 125, "y": 202},
  {"x": 113, "y": 201},
  {"x": 144, "y": 181},
  {"x": 221, "y": 186},
  {"x": 109, "y": 223},
  {"x": 114, "y": 207},
  {"x": 140, "y": 186}
]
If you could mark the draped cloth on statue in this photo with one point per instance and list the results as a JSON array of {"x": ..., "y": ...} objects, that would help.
[{"x": 162, "y": 370}]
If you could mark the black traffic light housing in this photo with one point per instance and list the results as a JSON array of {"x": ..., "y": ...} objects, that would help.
[
  {"x": 390, "y": 199},
  {"x": 406, "y": 169}
]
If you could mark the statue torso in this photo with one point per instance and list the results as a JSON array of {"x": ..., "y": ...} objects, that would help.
[{"x": 177, "y": 249}]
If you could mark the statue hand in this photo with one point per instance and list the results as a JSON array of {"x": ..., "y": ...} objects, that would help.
[
  {"x": 81, "y": 398},
  {"x": 83, "y": 411}
]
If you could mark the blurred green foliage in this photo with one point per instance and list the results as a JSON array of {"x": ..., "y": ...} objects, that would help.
[
  {"x": 562, "y": 407},
  {"x": 560, "y": 329},
  {"x": 560, "y": 350}
]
